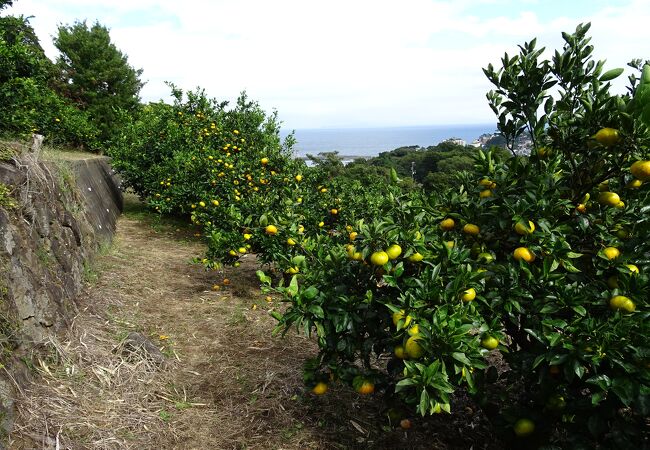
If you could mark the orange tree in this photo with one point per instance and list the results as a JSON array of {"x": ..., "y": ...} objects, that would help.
[
  {"x": 538, "y": 261},
  {"x": 199, "y": 158},
  {"x": 228, "y": 170}
]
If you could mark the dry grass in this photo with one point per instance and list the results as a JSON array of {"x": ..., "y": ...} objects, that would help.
[{"x": 227, "y": 383}]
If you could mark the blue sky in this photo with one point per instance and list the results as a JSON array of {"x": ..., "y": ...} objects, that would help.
[{"x": 343, "y": 63}]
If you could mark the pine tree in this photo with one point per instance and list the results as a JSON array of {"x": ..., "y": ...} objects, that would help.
[{"x": 95, "y": 75}]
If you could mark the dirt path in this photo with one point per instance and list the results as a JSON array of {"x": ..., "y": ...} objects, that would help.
[{"x": 226, "y": 383}]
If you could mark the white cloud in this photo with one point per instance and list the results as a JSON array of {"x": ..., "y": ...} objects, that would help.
[{"x": 340, "y": 62}]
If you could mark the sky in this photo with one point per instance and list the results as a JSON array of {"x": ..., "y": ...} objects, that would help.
[{"x": 343, "y": 63}]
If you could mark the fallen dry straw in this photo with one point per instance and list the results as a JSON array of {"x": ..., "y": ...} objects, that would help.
[{"x": 89, "y": 392}]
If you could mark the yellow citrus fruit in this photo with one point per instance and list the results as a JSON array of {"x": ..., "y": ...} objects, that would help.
[
  {"x": 634, "y": 184},
  {"x": 292, "y": 270},
  {"x": 607, "y": 136},
  {"x": 581, "y": 208},
  {"x": 298, "y": 177},
  {"x": 241, "y": 249},
  {"x": 522, "y": 253},
  {"x": 232, "y": 253},
  {"x": 353, "y": 235},
  {"x": 524, "y": 427},
  {"x": 321, "y": 224},
  {"x": 399, "y": 316},
  {"x": 609, "y": 198},
  {"x": 450, "y": 244},
  {"x": 416, "y": 257},
  {"x": 366, "y": 388},
  {"x": 611, "y": 253},
  {"x": 202, "y": 204},
  {"x": 334, "y": 211},
  {"x": 379, "y": 258},
  {"x": 524, "y": 228},
  {"x": 485, "y": 193},
  {"x": 247, "y": 236},
  {"x": 357, "y": 256},
  {"x": 620, "y": 205},
  {"x": 448, "y": 224},
  {"x": 400, "y": 352},
  {"x": 622, "y": 302},
  {"x": 320, "y": 388},
  {"x": 264, "y": 161},
  {"x": 632, "y": 268},
  {"x": 291, "y": 241},
  {"x": 489, "y": 342},
  {"x": 394, "y": 251},
  {"x": 641, "y": 170},
  {"x": 415, "y": 329},
  {"x": 413, "y": 348},
  {"x": 468, "y": 295},
  {"x": 471, "y": 229},
  {"x": 271, "y": 229}
]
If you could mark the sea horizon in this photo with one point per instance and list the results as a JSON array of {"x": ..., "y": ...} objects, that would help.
[{"x": 365, "y": 142}]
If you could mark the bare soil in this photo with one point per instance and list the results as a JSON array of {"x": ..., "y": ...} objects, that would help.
[{"x": 227, "y": 382}]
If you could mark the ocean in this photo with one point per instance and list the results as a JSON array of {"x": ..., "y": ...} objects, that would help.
[{"x": 368, "y": 142}]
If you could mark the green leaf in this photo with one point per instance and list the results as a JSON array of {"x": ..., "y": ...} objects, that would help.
[
  {"x": 610, "y": 75},
  {"x": 580, "y": 310},
  {"x": 573, "y": 255},
  {"x": 405, "y": 383},
  {"x": 569, "y": 267},
  {"x": 292, "y": 289},
  {"x": 460, "y": 357},
  {"x": 624, "y": 389},
  {"x": 597, "y": 397},
  {"x": 310, "y": 293},
  {"x": 316, "y": 310},
  {"x": 264, "y": 279},
  {"x": 424, "y": 402},
  {"x": 538, "y": 360},
  {"x": 579, "y": 369}
]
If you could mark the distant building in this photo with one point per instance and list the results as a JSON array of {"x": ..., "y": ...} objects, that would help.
[{"x": 456, "y": 141}]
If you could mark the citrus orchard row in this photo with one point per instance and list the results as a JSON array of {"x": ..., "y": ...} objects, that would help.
[{"x": 416, "y": 296}]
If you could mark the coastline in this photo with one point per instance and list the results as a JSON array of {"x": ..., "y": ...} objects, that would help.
[{"x": 352, "y": 143}]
